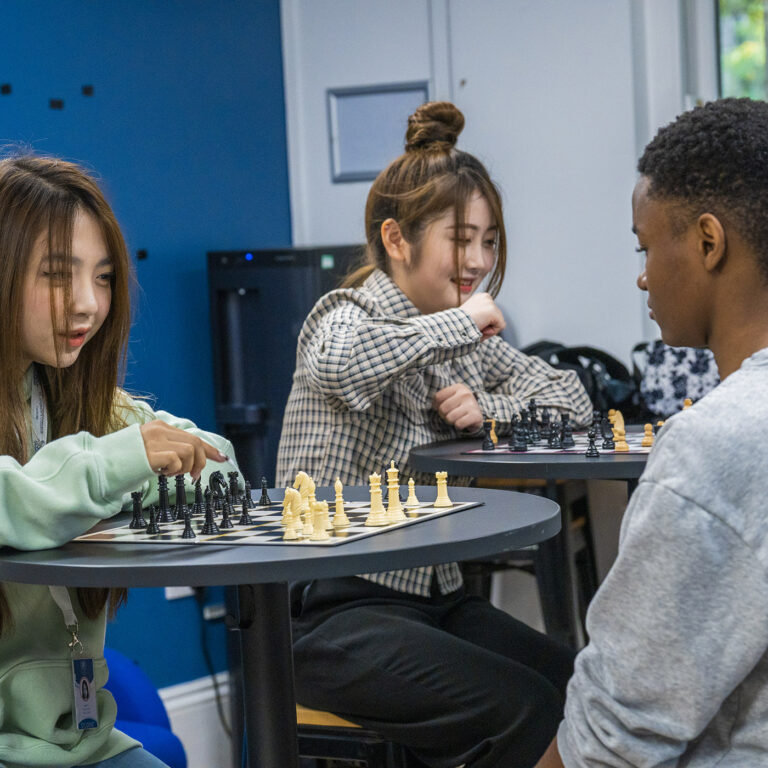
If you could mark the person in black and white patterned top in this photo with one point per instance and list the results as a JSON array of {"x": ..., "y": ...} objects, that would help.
[{"x": 407, "y": 353}]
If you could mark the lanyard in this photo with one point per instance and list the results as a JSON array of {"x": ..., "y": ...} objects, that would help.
[
  {"x": 61, "y": 597},
  {"x": 39, "y": 413}
]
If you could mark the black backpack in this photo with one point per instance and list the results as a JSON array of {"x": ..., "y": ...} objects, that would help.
[{"x": 607, "y": 380}]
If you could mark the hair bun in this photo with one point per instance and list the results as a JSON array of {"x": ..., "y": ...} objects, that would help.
[{"x": 434, "y": 125}]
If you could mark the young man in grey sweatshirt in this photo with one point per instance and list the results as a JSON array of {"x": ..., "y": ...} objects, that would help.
[{"x": 676, "y": 669}]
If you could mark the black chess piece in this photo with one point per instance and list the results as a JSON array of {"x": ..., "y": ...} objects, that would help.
[
  {"x": 597, "y": 418},
  {"x": 180, "y": 508},
  {"x": 554, "y": 437},
  {"x": 592, "y": 452},
  {"x": 605, "y": 428},
  {"x": 487, "y": 441},
  {"x": 264, "y": 501},
  {"x": 566, "y": 433},
  {"x": 226, "y": 506},
  {"x": 524, "y": 427},
  {"x": 234, "y": 491},
  {"x": 164, "y": 503},
  {"x": 519, "y": 444},
  {"x": 188, "y": 532},
  {"x": 545, "y": 424},
  {"x": 534, "y": 426},
  {"x": 197, "y": 507},
  {"x": 153, "y": 527},
  {"x": 245, "y": 518},
  {"x": 217, "y": 484},
  {"x": 209, "y": 526},
  {"x": 137, "y": 521},
  {"x": 249, "y": 496}
]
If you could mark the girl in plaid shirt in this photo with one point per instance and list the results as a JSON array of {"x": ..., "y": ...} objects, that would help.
[{"x": 408, "y": 352}]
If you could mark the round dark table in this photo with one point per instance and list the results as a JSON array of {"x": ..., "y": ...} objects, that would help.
[
  {"x": 555, "y": 581},
  {"x": 505, "y": 521}
]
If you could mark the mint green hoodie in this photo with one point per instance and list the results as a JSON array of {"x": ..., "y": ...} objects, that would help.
[{"x": 64, "y": 489}]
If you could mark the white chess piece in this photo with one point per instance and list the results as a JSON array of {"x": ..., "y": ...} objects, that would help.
[
  {"x": 340, "y": 519},
  {"x": 411, "y": 502},
  {"x": 377, "y": 515},
  {"x": 394, "y": 507},
  {"x": 319, "y": 511},
  {"x": 442, "y": 499}
]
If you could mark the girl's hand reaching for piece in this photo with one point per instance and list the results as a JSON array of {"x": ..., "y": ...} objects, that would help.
[{"x": 173, "y": 451}]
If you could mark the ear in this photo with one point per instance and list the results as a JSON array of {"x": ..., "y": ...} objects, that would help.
[
  {"x": 712, "y": 243},
  {"x": 394, "y": 241}
]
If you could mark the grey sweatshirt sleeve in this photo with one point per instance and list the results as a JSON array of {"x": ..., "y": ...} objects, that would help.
[{"x": 677, "y": 625}]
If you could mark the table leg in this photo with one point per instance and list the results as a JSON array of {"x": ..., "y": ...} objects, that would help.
[
  {"x": 553, "y": 576},
  {"x": 269, "y": 701}
]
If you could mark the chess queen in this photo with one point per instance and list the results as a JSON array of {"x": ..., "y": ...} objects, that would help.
[
  {"x": 409, "y": 352},
  {"x": 73, "y": 443}
]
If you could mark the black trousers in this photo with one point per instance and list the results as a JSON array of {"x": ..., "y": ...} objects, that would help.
[{"x": 452, "y": 678}]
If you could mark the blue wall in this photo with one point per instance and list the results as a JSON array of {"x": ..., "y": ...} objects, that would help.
[{"x": 186, "y": 130}]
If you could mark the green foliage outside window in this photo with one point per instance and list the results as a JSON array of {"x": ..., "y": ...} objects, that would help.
[{"x": 742, "y": 47}]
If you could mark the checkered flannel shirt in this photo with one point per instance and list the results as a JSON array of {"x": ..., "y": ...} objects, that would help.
[{"x": 368, "y": 365}]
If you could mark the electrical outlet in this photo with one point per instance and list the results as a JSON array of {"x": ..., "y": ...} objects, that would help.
[{"x": 174, "y": 593}]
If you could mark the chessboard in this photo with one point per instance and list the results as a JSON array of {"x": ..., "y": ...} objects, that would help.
[
  {"x": 580, "y": 439},
  {"x": 266, "y": 528}
]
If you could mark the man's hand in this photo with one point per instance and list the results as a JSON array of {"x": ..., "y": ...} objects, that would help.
[
  {"x": 458, "y": 406},
  {"x": 487, "y": 316},
  {"x": 173, "y": 451}
]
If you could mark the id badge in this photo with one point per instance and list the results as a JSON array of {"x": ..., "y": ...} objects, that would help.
[{"x": 86, "y": 709}]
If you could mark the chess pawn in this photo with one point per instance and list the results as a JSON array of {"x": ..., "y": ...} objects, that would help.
[
  {"x": 264, "y": 501},
  {"x": 605, "y": 428},
  {"x": 442, "y": 499},
  {"x": 153, "y": 527},
  {"x": 647, "y": 440},
  {"x": 377, "y": 515},
  {"x": 319, "y": 511},
  {"x": 687, "y": 403},
  {"x": 592, "y": 452},
  {"x": 411, "y": 502},
  {"x": 340, "y": 519},
  {"x": 394, "y": 507}
]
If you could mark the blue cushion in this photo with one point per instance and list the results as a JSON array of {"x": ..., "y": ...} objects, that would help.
[
  {"x": 163, "y": 744},
  {"x": 136, "y": 696}
]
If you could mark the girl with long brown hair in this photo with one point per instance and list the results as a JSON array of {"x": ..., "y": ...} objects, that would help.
[
  {"x": 72, "y": 446},
  {"x": 408, "y": 352}
]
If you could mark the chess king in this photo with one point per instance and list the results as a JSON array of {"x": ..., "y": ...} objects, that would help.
[
  {"x": 73, "y": 444},
  {"x": 407, "y": 352}
]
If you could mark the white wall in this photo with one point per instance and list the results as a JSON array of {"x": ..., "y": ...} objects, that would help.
[{"x": 559, "y": 98}]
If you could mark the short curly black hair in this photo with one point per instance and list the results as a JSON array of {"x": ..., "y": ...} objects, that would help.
[{"x": 714, "y": 159}]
